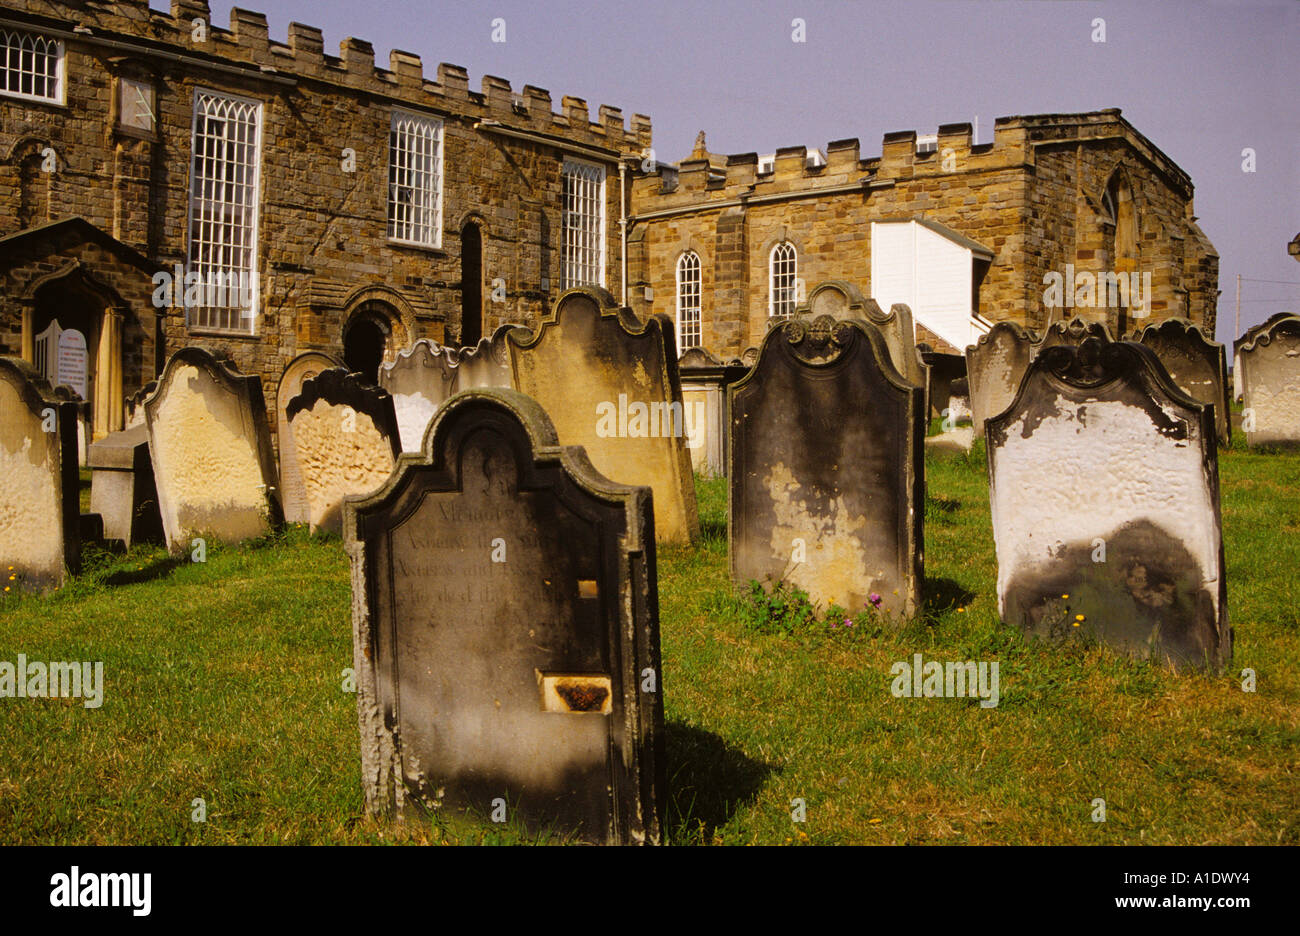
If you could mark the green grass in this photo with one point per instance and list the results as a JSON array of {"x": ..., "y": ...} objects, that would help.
[{"x": 223, "y": 681}]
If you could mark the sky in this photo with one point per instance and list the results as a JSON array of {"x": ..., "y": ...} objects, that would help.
[{"x": 1203, "y": 81}]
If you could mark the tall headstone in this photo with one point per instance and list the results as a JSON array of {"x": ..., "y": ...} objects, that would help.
[
  {"x": 1197, "y": 365},
  {"x": 610, "y": 384},
  {"x": 293, "y": 495},
  {"x": 1105, "y": 501},
  {"x": 419, "y": 379},
  {"x": 506, "y": 632},
  {"x": 827, "y": 472},
  {"x": 346, "y": 436},
  {"x": 211, "y": 451},
  {"x": 995, "y": 365},
  {"x": 39, "y": 494},
  {"x": 1270, "y": 379}
]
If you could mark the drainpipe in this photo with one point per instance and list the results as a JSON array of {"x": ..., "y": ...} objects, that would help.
[{"x": 622, "y": 226}]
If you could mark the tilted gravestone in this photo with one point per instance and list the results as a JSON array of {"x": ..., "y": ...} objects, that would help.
[
  {"x": 122, "y": 489},
  {"x": 39, "y": 494},
  {"x": 1197, "y": 365},
  {"x": 506, "y": 630},
  {"x": 1105, "y": 501},
  {"x": 211, "y": 451},
  {"x": 419, "y": 379},
  {"x": 293, "y": 496},
  {"x": 345, "y": 433},
  {"x": 995, "y": 365},
  {"x": 1270, "y": 379},
  {"x": 827, "y": 473},
  {"x": 610, "y": 384}
]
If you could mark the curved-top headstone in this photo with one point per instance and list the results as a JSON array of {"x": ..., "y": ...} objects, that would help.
[
  {"x": 1249, "y": 335},
  {"x": 211, "y": 451},
  {"x": 345, "y": 433},
  {"x": 827, "y": 472},
  {"x": 487, "y": 364},
  {"x": 506, "y": 631},
  {"x": 1197, "y": 365},
  {"x": 1270, "y": 379},
  {"x": 995, "y": 365},
  {"x": 1105, "y": 502},
  {"x": 611, "y": 385},
  {"x": 293, "y": 495},
  {"x": 419, "y": 379},
  {"x": 40, "y": 492}
]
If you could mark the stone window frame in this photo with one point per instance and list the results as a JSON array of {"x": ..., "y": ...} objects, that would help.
[
  {"x": 785, "y": 306},
  {"x": 13, "y": 44},
  {"x": 582, "y": 247},
  {"x": 689, "y": 301},
  {"x": 196, "y": 317},
  {"x": 422, "y": 181}
]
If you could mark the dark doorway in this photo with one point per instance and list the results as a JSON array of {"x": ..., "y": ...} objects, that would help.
[
  {"x": 471, "y": 284},
  {"x": 363, "y": 348}
]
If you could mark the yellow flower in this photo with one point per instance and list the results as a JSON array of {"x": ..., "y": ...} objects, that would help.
[
  {"x": 874, "y": 821},
  {"x": 1065, "y": 596},
  {"x": 961, "y": 610},
  {"x": 1078, "y": 617},
  {"x": 803, "y": 836},
  {"x": 1074, "y": 623}
]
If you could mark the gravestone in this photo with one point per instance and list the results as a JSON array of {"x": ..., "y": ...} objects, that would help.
[
  {"x": 1072, "y": 332},
  {"x": 1197, "y": 365},
  {"x": 704, "y": 396},
  {"x": 1105, "y": 502},
  {"x": 39, "y": 495},
  {"x": 211, "y": 451},
  {"x": 900, "y": 337},
  {"x": 122, "y": 489},
  {"x": 995, "y": 365},
  {"x": 346, "y": 436},
  {"x": 419, "y": 379},
  {"x": 610, "y": 384},
  {"x": 293, "y": 496},
  {"x": 1249, "y": 335},
  {"x": 1270, "y": 379},
  {"x": 827, "y": 474},
  {"x": 506, "y": 631},
  {"x": 72, "y": 361},
  {"x": 487, "y": 364}
]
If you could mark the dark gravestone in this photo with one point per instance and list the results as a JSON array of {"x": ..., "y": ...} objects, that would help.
[
  {"x": 827, "y": 476},
  {"x": 1105, "y": 488},
  {"x": 995, "y": 365},
  {"x": 1198, "y": 366},
  {"x": 506, "y": 631},
  {"x": 1072, "y": 332}
]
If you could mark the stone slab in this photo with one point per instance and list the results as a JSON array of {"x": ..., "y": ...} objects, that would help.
[
  {"x": 1270, "y": 379},
  {"x": 293, "y": 496}
]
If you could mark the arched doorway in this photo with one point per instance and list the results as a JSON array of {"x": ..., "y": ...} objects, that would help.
[
  {"x": 471, "y": 284},
  {"x": 366, "y": 339}
]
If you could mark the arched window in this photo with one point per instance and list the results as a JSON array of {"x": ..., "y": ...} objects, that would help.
[
  {"x": 688, "y": 301},
  {"x": 1118, "y": 202},
  {"x": 783, "y": 268}
]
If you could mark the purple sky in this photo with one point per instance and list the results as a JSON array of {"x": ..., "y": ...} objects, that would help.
[{"x": 1202, "y": 81}]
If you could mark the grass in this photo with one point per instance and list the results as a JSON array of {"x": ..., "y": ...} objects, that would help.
[{"x": 223, "y": 680}]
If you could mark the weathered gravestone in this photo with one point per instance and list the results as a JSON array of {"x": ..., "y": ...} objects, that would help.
[
  {"x": 1197, "y": 365},
  {"x": 122, "y": 489},
  {"x": 995, "y": 365},
  {"x": 506, "y": 630},
  {"x": 610, "y": 384},
  {"x": 1270, "y": 379},
  {"x": 293, "y": 496},
  {"x": 39, "y": 491},
  {"x": 1073, "y": 332},
  {"x": 704, "y": 396},
  {"x": 827, "y": 474},
  {"x": 419, "y": 379},
  {"x": 211, "y": 451},
  {"x": 486, "y": 364},
  {"x": 1248, "y": 335},
  {"x": 345, "y": 433},
  {"x": 1105, "y": 501}
]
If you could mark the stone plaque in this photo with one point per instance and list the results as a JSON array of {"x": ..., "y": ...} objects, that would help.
[
  {"x": 1105, "y": 501},
  {"x": 1197, "y": 365},
  {"x": 611, "y": 385},
  {"x": 72, "y": 361},
  {"x": 1270, "y": 379},
  {"x": 505, "y": 628},
  {"x": 345, "y": 434},
  {"x": 995, "y": 365},
  {"x": 39, "y": 499},
  {"x": 292, "y": 493},
  {"x": 211, "y": 451},
  {"x": 827, "y": 474}
]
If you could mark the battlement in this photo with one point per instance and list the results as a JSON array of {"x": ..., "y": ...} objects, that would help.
[{"x": 187, "y": 31}]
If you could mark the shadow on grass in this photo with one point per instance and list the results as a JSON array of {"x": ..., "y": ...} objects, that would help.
[
  {"x": 708, "y": 780},
  {"x": 154, "y": 568},
  {"x": 941, "y": 594}
]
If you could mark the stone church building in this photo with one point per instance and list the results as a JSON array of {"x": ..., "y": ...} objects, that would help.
[{"x": 165, "y": 181}]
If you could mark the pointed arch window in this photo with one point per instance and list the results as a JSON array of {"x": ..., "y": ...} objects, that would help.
[
  {"x": 688, "y": 301},
  {"x": 783, "y": 269}
]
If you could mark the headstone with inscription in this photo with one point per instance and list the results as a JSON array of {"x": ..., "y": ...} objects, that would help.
[
  {"x": 610, "y": 384},
  {"x": 995, "y": 365},
  {"x": 39, "y": 500},
  {"x": 211, "y": 451},
  {"x": 1270, "y": 379},
  {"x": 293, "y": 496},
  {"x": 345, "y": 433},
  {"x": 1197, "y": 365},
  {"x": 827, "y": 474},
  {"x": 1105, "y": 500},
  {"x": 72, "y": 361},
  {"x": 505, "y": 630}
]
